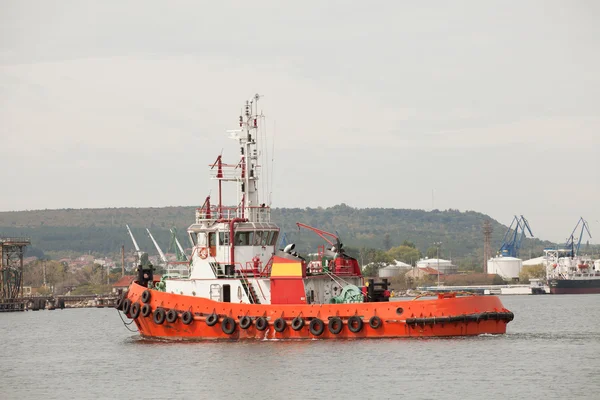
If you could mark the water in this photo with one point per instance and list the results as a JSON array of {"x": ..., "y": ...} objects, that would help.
[{"x": 551, "y": 351}]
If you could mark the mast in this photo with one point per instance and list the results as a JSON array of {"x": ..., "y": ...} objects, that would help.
[{"x": 249, "y": 159}]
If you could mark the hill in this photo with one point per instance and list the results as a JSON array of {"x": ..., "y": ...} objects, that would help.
[{"x": 102, "y": 231}]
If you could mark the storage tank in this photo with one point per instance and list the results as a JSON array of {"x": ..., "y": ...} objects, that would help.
[
  {"x": 389, "y": 271},
  {"x": 445, "y": 266},
  {"x": 507, "y": 267}
]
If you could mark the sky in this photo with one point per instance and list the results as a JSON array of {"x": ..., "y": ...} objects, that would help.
[{"x": 486, "y": 106}]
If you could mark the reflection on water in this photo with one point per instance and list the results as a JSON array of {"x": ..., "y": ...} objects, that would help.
[{"x": 550, "y": 351}]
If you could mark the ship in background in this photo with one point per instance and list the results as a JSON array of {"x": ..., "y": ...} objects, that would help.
[{"x": 568, "y": 271}]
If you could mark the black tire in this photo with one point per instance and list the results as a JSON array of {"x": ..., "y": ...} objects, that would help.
[
  {"x": 172, "y": 316},
  {"x": 212, "y": 319},
  {"x": 187, "y": 318},
  {"x": 146, "y": 310},
  {"x": 118, "y": 304},
  {"x": 146, "y": 296},
  {"x": 375, "y": 322},
  {"x": 126, "y": 305},
  {"x": 335, "y": 325},
  {"x": 245, "y": 322},
  {"x": 316, "y": 327},
  {"x": 228, "y": 325},
  {"x": 280, "y": 324},
  {"x": 159, "y": 316},
  {"x": 355, "y": 324},
  {"x": 297, "y": 323},
  {"x": 135, "y": 310},
  {"x": 261, "y": 323}
]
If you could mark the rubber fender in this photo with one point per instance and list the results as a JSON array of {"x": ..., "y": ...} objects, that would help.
[
  {"x": 228, "y": 325},
  {"x": 135, "y": 310},
  {"x": 297, "y": 323},
  {"x": 280, "y": 325},
  {"x": 375, "y": 322},
  {"x": 187, "y": 318},
  {"x": 261, "y": 323},
  {"x": 172, "y": 316},
  {"x": 441, "y": 320},
  {"x": 118, "y": 304},
  {"x": 245, "y": 322},
  {"x": 159, "y": 316},
  {"x": 493, "y": 315},
  {"x": 212, "y": 319},
  {"x": 335, "y": 325},
  {"x": 355, "y": 324},
  {"x": 146, "y": 310},
  {"x": 146, "y": 296},
  {"x": 316, "y": 327},
  {"x": 126, "y": 305}
]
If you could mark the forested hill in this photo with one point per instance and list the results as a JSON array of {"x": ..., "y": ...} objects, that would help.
[{"x": 102, "y": 231}]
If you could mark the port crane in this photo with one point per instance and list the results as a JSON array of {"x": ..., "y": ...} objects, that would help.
[
  {"x": 138, "y": 252},
  {"x": 176, "y": 246},
  {"x": 574, "y": 250},
  {"x": 160, "y": 252},
  {"x": 511, "y": 244}
]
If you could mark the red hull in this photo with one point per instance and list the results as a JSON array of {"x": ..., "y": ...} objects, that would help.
[{"x": 457, "y": 316}]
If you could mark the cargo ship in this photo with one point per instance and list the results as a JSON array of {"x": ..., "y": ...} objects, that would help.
[
  {"x": 568, "y": 274},
  {"x": 241, "y": 286}
]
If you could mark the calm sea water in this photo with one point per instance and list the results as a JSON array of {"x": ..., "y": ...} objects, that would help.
[{"x": 551, "y": 351}]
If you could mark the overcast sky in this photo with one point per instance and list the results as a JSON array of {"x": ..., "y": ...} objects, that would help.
[{"x": 492, "y": 106}]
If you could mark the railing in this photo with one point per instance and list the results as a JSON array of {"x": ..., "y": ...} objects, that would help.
[{"x": 253, "y": 213}]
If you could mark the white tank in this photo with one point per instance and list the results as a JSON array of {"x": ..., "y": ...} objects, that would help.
[
  {"x": 445, "y": 266},
  {"x": 389, "y": 272},
  {"x": 507, "y": 267}
]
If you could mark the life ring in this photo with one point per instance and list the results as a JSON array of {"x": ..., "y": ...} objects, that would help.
[
  {"x": 126, "y": 305},
  {"x": 245, "y": 322},
  {"x": 335, "y": 325},
  {"x": 203, "y": 253},
  {"x": 212, "y": 319},
  {"x": 355, "y": 324},
  {"x": 159, "y": 316},
  {"x": 187, "y": 318},
  {"x": 297, "y": 323},
  {"x": 228, "y": 325},
  {"x": 146, "y": 310},
  {"x": 146, "y": 296},
  {"x": 280, "y": 325},
  {"x": 172, "y": 316},
  {"x": 316, "y": 327},
  {"x": 261, "y": 323},
  {"x": 375, "y": 322},
  {"x": 135, "y": 310}
]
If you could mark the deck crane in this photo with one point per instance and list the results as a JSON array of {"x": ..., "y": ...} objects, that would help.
[
  {"x": 160, "y": 252},
  {"x": 138, "y": 252},
  {"x": 574, "y": 250},
  {"x": 511, "y": 244},
  {"x": 177, "y": 246}
]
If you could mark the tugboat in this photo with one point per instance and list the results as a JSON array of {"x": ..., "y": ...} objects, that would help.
[{"x": 240, "y": 286}]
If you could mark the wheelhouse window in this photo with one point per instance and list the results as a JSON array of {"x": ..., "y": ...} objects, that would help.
[
  {"x": 224, "y": 238},
  {"x": 244, "y": 238},
  {"x": 258, "y": 237}
]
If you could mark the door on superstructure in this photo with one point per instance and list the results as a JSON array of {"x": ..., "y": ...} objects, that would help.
[{"x": 227, "y": 293}]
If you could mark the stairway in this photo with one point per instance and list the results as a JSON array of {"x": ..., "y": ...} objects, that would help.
[{"x": 250, "y": 291}]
